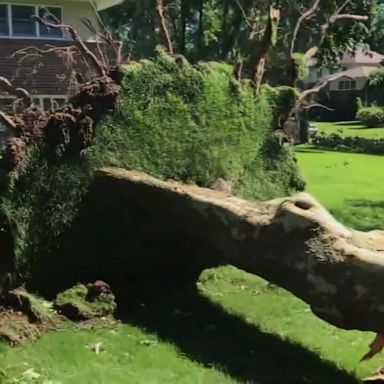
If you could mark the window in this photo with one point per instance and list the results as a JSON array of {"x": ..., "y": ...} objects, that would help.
[
  {"x": 22, "y": 24},
  {"x": 53, "y": 15},
  {"x": 347, "y": 84},
  {"x": 4, "y": 20},
  {"x": 50, "y": 102},
  {"x": 15, "y": 20}
]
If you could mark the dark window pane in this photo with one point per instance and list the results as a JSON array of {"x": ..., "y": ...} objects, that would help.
[
  {"x": 22, "y": 24},
  {"x": 47, "y": 104},
  {"x": 3, "y": 20},
  {"x": 53, "y": 15}
]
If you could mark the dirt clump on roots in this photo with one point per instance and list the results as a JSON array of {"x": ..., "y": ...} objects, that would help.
[
  {"x": 25, "y": 317},
  {"x": 85, "y": 302}
]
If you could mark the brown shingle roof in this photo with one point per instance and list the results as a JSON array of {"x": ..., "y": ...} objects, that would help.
[{"x": 46, "y": 74}]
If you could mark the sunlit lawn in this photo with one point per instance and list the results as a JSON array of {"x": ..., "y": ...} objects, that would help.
[
  {"x": 350, "y": 185},
  {"x": 253, "y": 332},
  {"x": 350, "y": 128}
]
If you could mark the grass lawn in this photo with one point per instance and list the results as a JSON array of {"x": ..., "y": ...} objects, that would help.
[
  {"x": 350, "y": 185},
  {"x": 231, "y": 327},
  {"x": 350, "y": 128}
]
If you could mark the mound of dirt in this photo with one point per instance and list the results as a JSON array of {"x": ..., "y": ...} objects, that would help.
[
  {"x": 84, "y": 302},
  {"x": 25, "y": 317}
]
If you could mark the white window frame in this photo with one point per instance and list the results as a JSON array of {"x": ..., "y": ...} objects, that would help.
[
  {"x": 41, "y": 98},
  {"x": 37, "y": 25},
  {"x": 347, "y": 85}
]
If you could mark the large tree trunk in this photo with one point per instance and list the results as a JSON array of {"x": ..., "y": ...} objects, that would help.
[{"x": 292, "y": 242}]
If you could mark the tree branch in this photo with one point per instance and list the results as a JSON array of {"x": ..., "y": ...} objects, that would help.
[
  {"x": 7, "y": 120},
  {"x": 305, "y": 16},
  {"x": 20, "y": 93},
  {"x": 89, "y": 55},
  {"x": 163, "y": 26},
  {"x": 246, "y": 19},
  {"x": 336, "y": 16},
  {"x": 349, "y": 17}
]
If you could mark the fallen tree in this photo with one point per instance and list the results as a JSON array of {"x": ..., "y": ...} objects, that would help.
[{"x": 292, "y": 242}]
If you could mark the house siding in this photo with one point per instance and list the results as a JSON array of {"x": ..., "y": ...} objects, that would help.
[
  {"x": 334, "y": 85},
  {"x": 48, "y": 74},
  {"x": 44, "y": 75}
]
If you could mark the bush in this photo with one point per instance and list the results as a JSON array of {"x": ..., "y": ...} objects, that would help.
[
  {"x": 371, "y": 116},
  {"x": 350, "y": 144}
]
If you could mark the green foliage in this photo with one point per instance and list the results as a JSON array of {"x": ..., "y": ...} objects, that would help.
[
  {"x": 74, "y": 301},
  {"x": 302, "y": 64},
  {"x": 221, "y": 29},
  {"x": 350, "y": 144},
  {"x": 359, "y": 103},
  {"x": 371, "y": 116},
  {"x": 376, "y": 78},
  {"x": 197, "y": 125},
  {"x": 41, "y": 201},
  {"x": 283, "y": 100}
]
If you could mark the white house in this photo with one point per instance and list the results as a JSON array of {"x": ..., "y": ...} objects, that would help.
[{"x": 351, "y": 73}]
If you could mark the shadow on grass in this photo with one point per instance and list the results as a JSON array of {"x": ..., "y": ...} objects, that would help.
[
  {"x": 362, "y": 128},
  {"x": 309, "y": 150},
  {"x": 206, "y": 333},
  {"x": 153, "y": 266},
  {"x": 348, "y": 123},
  {"x": 366, "y": 203}
]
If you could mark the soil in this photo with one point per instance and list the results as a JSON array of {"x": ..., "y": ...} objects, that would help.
[{"x": 24, "y": 317}]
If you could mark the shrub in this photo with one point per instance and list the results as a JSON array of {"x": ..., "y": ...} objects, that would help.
[
  {"x": 371, "y": 116},
  {"x": 350, "y": 144}
]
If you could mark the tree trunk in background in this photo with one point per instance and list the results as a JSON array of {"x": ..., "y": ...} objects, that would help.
[
  {"x": 163, "y": 26},
  {"x": 200, "y": 33},
  {"x": 292, "y": 242},
  {"x": 184, "y": 17}
]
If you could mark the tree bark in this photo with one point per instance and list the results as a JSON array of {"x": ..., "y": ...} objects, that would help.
[
  {"x": 163, "y": 26},
  {"x": 200, "y": 33},
  {"x": 184, "y": 16},
  {"x": 292, "y": 242}
]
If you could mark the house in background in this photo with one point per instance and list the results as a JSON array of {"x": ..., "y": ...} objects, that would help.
[
  {"x": 346, "y": 82},
  {"x": 46, "y": 77}
]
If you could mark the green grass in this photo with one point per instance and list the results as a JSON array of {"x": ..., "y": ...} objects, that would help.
[
  {"x": 349, "y": 185},
  {"x": 234, "y": 328},
  {"x": 350, "y": 128}
]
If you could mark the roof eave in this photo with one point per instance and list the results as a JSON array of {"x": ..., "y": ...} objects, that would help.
[{"x": 105, "y": 4}]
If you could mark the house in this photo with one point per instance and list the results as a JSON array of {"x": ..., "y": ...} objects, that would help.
[
  {"x": 346, "y": 82},
  {"x": 46, "y": 76}
]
